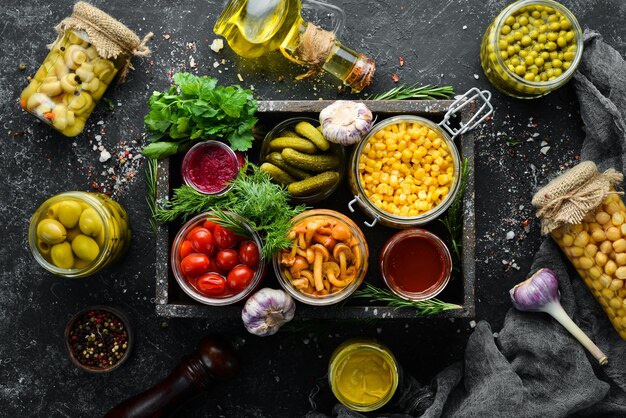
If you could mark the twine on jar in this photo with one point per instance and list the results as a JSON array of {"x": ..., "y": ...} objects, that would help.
[
  {"x": 108, "y": 35},
  {"x": 567, "y": 199},
  {"x": 314, "y": 49}
]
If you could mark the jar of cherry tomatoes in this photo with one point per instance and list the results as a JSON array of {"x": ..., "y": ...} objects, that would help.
[{"x": 217, "y": 265}]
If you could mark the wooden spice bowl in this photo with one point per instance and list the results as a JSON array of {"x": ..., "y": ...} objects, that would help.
[{"x": 112, "y": 311}]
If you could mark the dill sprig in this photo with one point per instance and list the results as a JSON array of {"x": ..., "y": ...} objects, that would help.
[
  {"x": 265, "y": 205},
  {"x": 151, "y": 185},
  {"x": 453, "y": 221},
  {"x": 423, "y": 307},
  {"x": 426, "y": 92}
]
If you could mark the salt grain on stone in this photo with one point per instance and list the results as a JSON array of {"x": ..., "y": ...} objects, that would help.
[
  {"x": 510, "y": 235},
  {"x": 104, "y": 156}
]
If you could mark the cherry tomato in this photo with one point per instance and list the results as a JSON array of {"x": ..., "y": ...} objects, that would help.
[
  {"x": 214, "y": 268},
  {"x": 185, "y": 249},
  {"x": 249, "y": 253},
  {"x": 211, "y": 284},
  {"x": 208, "y": 224},
  {"x": 227, "y": 259},
  {"x": 202, "y": 241},
  {"x": 223, "y": 238},
  {"x": 239, "y": 278},
  {"x": 194, "y": 265}
]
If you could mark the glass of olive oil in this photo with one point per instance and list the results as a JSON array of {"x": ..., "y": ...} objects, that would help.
[{"x": 255, "y": 27}]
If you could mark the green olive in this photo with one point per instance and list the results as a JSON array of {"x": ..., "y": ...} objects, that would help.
[
  {"x": 62, "y": 256},
  {"x": 73, "y": 233},
  {"x": 52, "y": 211},
  {"x": 90, "y": 222},
  {"x": 43, "y": 247},
  {"x": 69, "y": 213},
  {"x": 80, "y": 264},
  {"x": 85, "y": 247},
  {"x": 51, "y": 231}
]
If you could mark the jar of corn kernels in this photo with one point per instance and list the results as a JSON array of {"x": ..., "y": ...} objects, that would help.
[{"x": 596, "y": 245}]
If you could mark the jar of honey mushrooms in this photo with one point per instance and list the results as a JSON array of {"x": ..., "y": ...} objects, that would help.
[{"x": 587, "y": 218}]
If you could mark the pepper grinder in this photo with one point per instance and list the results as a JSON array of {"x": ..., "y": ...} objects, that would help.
[{"x": 213, "y": 359}]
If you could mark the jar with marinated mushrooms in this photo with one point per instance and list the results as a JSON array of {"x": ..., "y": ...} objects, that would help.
[
  {"x": 327, "y": 260},
  {"x": 75, "y": 234},
  {"x": 587, "y": 218},
  {"x": 91, "y": 49}
]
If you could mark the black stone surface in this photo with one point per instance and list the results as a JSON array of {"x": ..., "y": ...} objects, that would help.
[{"x": 439, "y": 42}]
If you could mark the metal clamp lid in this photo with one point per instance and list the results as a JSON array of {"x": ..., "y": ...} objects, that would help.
[
  {"x": 483, "y": 112},
  {"x": 366, "y": 209}
]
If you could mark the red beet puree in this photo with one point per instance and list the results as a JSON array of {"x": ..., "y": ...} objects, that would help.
[
  {"x": 415, "y": 264},
  {"x": 210, "y": 167}
]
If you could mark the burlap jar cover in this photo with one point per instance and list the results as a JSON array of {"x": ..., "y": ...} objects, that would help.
[
  {"x": 567, "y": 199},
  {"x": 109, "y": 36}
]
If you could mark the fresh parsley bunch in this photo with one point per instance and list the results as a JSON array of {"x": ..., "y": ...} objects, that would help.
[{"x": 195, "y": 109}]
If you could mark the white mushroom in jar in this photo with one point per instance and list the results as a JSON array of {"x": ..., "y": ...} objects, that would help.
[
  {"x": 104, "y": 70},
  {"x": 85, "y": 72},
  {"x": 51, "y": 86},
  {"x": 70, "y": 83},
  {"x": 74, "y": 56},
  {"x": 78, "y": 103}
]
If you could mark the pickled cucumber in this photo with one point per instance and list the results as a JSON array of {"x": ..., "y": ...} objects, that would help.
[
  {"x": 299, "y": 144},
  {"x": 309, "y": 131},
  {"x": 278, "y": 175},
  {"x": 317, "y": 163},
  {"x": 276, "y": 158},
  {"x": 313, "y": 184}
]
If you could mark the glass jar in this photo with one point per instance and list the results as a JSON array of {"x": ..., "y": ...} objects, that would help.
[
  {"x": 287, "y": 128},
  {"x": 190, "y": 285},
  {"x": 342, "y": 251},
  {"x": 519, "y": 72},
  {"x": 75, "y": 234},
  {"x": 209, "y": 166},
  {"x": 363, "y": 374},
  {"x": 415, "y": 264},
  {"x": 597, "y": 248},
  {"x": 388, "y": 171},
  {"x": 69, "y": 83}
]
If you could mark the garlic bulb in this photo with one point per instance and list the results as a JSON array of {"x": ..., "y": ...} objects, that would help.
[
  {"x": 266, "y": 311},
  {"x": 540, "y": 293},
  {"x": 345, "y": 122}
]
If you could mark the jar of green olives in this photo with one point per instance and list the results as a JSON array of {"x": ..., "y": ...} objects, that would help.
[
  {"x": 531, "y": 48},
  {"x": 91, "y": 50},
  {"x": 75, "y": 234}
]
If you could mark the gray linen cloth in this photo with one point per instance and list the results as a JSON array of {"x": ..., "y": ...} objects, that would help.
[{"x": 537, "y": 369}]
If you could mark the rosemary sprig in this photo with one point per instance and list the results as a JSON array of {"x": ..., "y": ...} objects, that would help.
[
  {"x": 453, "y": 220},
  {"x": 265, "y": 205},
  {"x": 151, "y": 185},
  {"x": 415, "y": 92},
  {"x": 423, "y": 307},
  {"x": 512, "y": 142}
]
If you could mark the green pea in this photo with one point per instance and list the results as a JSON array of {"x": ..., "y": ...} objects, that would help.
[
  {"x": 526, "y": 40},
  {"x": 62, "y": 256},
  {"x": 510, "y": 38},
  {"x": 543, "y": 77},
  {"x": 538, "y": 47},
  {"x": 551, "y": 46},
  {"x": 553, "y": 18},
  {"x": 539, "y": 61},
  {"x": 554, "y": 55},
  {"x": 506, "y": 29},
  {"x": 549, "y": 72},
  {"x": 503, "y": 54},
  {"x": 90, "y": 222},
  {"x": 545, "y": 55},
  {"x": 511, "y": 50},
  {"x": 568, "y": 56},
  {"x": 557, "y": 63},
  {"x": 558, "y": 72},
  {"x": 569, "y": 36},
  {"x": 524, "y": 29},
  {"x": 553, "y": 36},
  {"x": 520, "y": 70},
  {"x": 566, "y": 65},
  {"x": 85, "y": 248},
  {"x": 529, "y": 61},
  {"x": 515, "y": 61},
  {"x": 536, "y": 14},
  {"x": 518, "y": 35},
  {"x": 529, "y": 77},
  {"x": 515, "y": 25},
  {"x": 533, "y": 54},
  {"x": 543, "y": 28},
  {"x": 523, "y": 20},
  {"x": 533, "y": 69},
  {"x": 509, "y": 20},
  {"x": 51, "y": 231},
  {"x": 561, "y": 42},
  {"x": 503, "y": 44},
  {"x": 534, "y": 34},
  {"x": 69, "y": 213},
  {"x": 565, "y": 24}
]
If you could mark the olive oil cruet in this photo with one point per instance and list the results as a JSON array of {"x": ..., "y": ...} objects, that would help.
[{"x": 255, "y": 27}]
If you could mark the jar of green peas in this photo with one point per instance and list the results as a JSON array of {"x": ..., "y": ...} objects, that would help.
[{"x": 531, "y": 48}]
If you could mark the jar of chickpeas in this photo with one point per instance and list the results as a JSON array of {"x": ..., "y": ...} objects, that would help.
[
  {"x": 91, "y": 50},
  {"x": 587, "y": 218},
  {"x": 405, "y": 172},
  {"x": 531, "y": 48}
]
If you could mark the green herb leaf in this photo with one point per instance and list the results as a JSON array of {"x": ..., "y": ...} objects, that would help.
[
  {"x": 254, "y": 196},
  {"x": 151, "y": 186},
  {"x": 453, "y": 220},
  {"x": 196, "y": 108},
  {"x": 423, "y": 307},
  {"x": 160, "y": 150},
  {"x": 426, "y": 92}
]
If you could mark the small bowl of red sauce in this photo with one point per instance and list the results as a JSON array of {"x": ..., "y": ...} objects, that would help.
[
  {"x": 209, "y": 166},
  {"x": 215, "y": 265},
  {"x": 415, "y": 264}
]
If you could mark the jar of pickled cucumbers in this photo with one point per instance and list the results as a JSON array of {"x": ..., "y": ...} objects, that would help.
[
  {"x": 587, "y": 218},
  {"x": 75, "y": 234},
  {"x": 531, "y": 48},
  {"x": 91, "y": 49}
]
